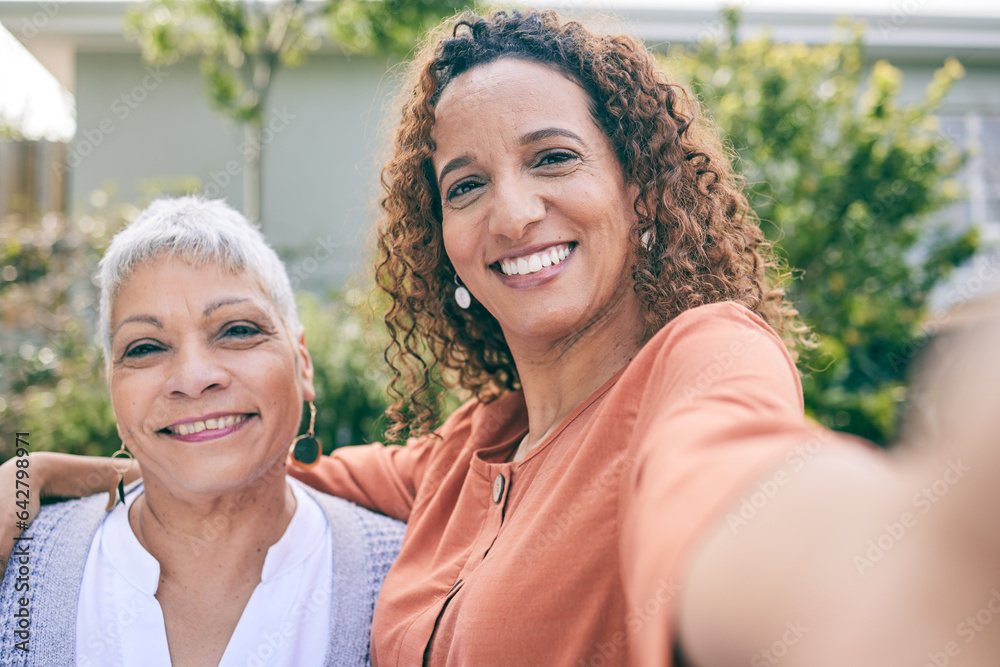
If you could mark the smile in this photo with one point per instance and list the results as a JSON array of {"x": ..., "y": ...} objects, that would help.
[
  {"x": 535, "y": 262},
  {"x": 219, "y": 423}
]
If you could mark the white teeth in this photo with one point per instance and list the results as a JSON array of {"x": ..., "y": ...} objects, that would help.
[
  {"x": 532, "y": 264},
  {"x": 207, "y": 425}
]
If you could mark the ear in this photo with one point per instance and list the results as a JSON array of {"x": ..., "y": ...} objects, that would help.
[{"x": 305, "y": 368}]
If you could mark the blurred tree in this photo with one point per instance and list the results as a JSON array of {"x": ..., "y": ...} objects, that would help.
[
  {"x": 242, "y": 45},
  {"x": 844, "y": 177}
]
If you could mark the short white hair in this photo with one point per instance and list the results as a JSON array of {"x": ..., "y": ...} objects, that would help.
[{"x": 201, "y": 231}]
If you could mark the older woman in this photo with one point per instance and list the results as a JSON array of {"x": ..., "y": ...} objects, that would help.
[
  {"x": 216, "y": 557},
  {"x": 634, "y": 479}
]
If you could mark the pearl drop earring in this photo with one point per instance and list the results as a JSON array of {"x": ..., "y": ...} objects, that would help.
[{"x": 462, "y": 296}]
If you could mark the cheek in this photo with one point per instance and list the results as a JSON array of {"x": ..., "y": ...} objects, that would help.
[
  {"x": 129, "y": 400},
  {"x": 459, "y": 245}
]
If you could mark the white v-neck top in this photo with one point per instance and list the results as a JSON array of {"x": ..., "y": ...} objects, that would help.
[{"x": 285, "y": 623}]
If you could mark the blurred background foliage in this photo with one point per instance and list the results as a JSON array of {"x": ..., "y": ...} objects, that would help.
[{"x": 843, "y": 176}]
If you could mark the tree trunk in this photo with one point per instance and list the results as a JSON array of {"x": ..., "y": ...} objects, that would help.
[{"x": 251, "y": 171}]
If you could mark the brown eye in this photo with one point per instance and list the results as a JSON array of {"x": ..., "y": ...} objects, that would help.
[
  {"x": 143, "y": 349},
  {"x": 461, "y": 188},
  {"x": 556, "y": 157},
  {"x": 241, "y": 330}
]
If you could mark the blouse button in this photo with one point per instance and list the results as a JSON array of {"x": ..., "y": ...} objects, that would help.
[{"x": 498, "y": 484}]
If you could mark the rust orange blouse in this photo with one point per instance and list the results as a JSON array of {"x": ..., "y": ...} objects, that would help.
[{"x": 574, "y": 556}]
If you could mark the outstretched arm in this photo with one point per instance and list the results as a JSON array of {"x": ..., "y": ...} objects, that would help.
[
  {"x": 51, "y": 475},
  {"x": 857, "y": 561},
  {"x": 854, "y": 557}
]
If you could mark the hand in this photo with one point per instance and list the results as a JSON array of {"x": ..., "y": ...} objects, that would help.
[{"x": 49, "y": 475}]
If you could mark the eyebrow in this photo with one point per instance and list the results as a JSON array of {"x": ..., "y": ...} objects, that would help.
[
  {"x": 457, "y": 163},
  {"x": 215, "y": 305},
  {"x": 548, "y": 133},
  {"x": 209, "y": 309},
  {"x": 148, "y": 319},
  {"x": 529, "y": 138}
]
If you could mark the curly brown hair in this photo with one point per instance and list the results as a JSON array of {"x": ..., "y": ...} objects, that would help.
[{"x": 706, "y": 244}]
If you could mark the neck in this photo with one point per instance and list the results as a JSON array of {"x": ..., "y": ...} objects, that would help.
[
  {"x": 557, "y": 376},
  {"x": 230, "y": 530}
]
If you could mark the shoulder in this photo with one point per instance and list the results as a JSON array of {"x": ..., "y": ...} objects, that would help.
[
  {"x": 724, "y": 334},
  {"x": 370, "y": 534},
  {"x": 723, "y": 318},
  {"x": 716, "y": 355},
  {"x": 55, "y": 549},
  {"x": 61, "y": 525},
  {"x": 364, "y": 546}
]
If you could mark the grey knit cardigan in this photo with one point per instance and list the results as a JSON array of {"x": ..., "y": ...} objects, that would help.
[{"x": 364, "y": 546}]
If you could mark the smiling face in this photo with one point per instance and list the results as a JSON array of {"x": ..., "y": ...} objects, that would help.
[
  {"x": 207, "y": 383},
  {"x": 536, "y": 214}
]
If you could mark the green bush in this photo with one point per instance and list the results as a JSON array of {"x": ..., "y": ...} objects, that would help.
[
  {"x": 845, "y": 179},
  {"x": 52, "y": 365}
]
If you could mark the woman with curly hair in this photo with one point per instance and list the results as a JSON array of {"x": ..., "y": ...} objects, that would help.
[{"x": 633, "y": 479}]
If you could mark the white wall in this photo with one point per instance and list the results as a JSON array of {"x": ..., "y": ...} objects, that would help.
[{"x": 140, "y": 128}]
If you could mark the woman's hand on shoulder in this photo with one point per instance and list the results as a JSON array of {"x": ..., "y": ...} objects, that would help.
[{"x": 48, "y": 475}]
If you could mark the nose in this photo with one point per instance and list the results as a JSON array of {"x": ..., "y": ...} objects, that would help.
[
  {"x": 195, "y": 371},
  {"x": 519, "y": 204}
]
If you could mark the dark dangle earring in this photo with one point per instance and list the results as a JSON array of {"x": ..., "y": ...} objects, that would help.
[
  {"x": 305, "y": 449},
  {"x": 121, "y": 467},
  {"x": 462, "y": 296}
]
